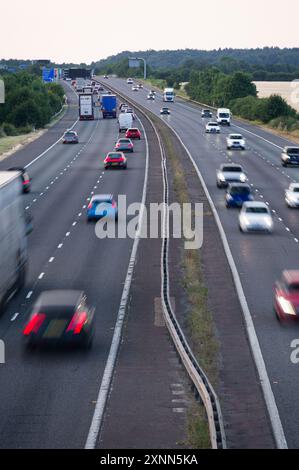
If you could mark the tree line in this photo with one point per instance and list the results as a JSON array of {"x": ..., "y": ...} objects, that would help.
[{"x": 29, "y": 103}]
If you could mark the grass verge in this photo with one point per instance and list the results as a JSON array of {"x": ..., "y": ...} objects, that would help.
[{"x": 199, "y": 319}]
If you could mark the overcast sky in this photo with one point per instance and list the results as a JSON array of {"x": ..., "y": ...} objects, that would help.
[{"x": 84, "y": 31}]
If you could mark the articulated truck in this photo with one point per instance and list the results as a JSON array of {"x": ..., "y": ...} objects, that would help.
[
  {"x": 13, "y": 239},
  {"x": 86, "y": 110}
]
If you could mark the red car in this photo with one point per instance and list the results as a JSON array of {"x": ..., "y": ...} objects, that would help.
[
  {"x": 115, "y": 160},
  {"x": 133, "y": 133},
  {"x": 286, "y": 301}
]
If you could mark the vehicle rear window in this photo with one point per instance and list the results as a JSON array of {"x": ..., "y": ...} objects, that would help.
[
  {"x": 232, "y": 169},
  {"x": 293, "y": 151},
  {"x": 240, "y": 190},
  {"x": 256, "y": 210},
  {"x": 293, "y": 287},
  {"x": 236, "y": 137},
  {"x": 296, "y": 190}
]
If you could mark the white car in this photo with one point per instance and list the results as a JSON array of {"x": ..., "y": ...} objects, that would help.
[
  {"x": 255, "y": 216},
  {"x": 235, "y": 141},
  {"x": 129, "y": 81},
  {"x": 135, "y": 88},
  {"x": 150, "y": 96},
  {"x": 212, "y": 128},
  {"x": 292, "y": 195},
  {"x": 230, "y": 173}
]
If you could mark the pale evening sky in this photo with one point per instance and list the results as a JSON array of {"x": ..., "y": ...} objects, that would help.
[{"x": 83, "y": 31}]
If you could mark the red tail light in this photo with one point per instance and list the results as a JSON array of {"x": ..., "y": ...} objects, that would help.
[
  {"x": 113, "y": 204},
  {"x": 34, "y": 323},
  {"x": 26, "y": 182},
  {"x": 117, "y": 145},
  {"x": 77, "y": 322},
  {"x": 89, "y": 206}
]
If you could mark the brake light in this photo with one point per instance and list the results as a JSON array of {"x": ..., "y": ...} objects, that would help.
[
  {"x": 77, "y": 322},
  {"x": 117, "y": 145},
  {"x": 89, "y": 206},
  {"x": 26, "y": 182},
  {"x": 34, "y": 323},
  {"x": 113, "y": 204}
]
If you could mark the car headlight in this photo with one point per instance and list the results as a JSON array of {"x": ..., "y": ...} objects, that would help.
[
  {"x": 269, "y": 223},
  {"x": 221, "y": 177},
  {"x": 286, "y": 306},
  {"x": 243, "y": 178}
]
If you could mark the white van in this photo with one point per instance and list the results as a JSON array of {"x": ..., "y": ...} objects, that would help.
[
  {"x": 125, "y": 121},
  {"x": 223, "y": 116}
]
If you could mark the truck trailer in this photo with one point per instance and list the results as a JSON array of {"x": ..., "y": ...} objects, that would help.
[
  {"x": 86, "y": 109},
  {"x": 13, "y": 239},
  {"x": 108, "y": 106}
]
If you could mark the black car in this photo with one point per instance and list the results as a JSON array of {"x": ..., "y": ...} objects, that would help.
[
  {"x": 206, "y": 113},
  {"x": 290, "y": 156},
  {"x": 60, "y": 317},
  {"x": 26, "y": 181}
]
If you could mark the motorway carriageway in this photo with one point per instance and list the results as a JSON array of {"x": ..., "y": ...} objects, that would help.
[
  {"x": 47, "y": 400},
  {"x": 260, "y": 258}
]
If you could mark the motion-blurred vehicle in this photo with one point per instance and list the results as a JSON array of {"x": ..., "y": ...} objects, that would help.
[
  {"x": 106, "y": 77},
  {"x": 140, "y": 86},
  {"x": 130, "y": 81},
  {"x": 212, "y": 128},
  {"x": 290, "y": 156},
  {"x": 286, "y": 296},
  {"x": 60, "y": 317},
  {"x": 102, "y": 205},
  {"x": 133, "y": 133},
  {"x": 255, "y": 216},
  {"x": 130, "y": 111},
  {"x": 70, "y": 137},
  {"x": 165, "y": 110},
  {"x": 108, "y": 105},
  {"x": 115, "y": 160},
  {"x": 24, "y": 177},
  {"x": 122, "y": 106},
  {"x": 150, "y": 96},
  {"x": 13, "y": 246},
  {"x": 206, "y": 113},
  {"x": 230, "y": 173},
  {"x": 135, "y": 88},
  {"x": 236, "y": 194},
  {"x": 124, "y": 145},
  {"x": 235, "y": 141},
  {"x": 292, "y": 195},
  {"x": 153, "y": 92}
]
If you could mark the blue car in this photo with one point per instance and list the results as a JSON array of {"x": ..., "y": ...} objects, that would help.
[
  {"x": 102, "y": 205},
  {"x": 237, "y": 194}
]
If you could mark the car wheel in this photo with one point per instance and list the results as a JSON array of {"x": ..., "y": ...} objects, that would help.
[
  {"x": 240, "y": 228},
  {"x": 284, "y": 164}
]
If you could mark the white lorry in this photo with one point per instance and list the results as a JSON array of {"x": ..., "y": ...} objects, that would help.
[
  {"x": 13, "y": 240},
  {"x": 86, "y": 109},
  {"x": 168, "y": 95},
  {"x": 224, "y": 116}
]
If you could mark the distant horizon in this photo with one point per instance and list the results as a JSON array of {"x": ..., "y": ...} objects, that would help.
[{"x": 18, "y": 59}]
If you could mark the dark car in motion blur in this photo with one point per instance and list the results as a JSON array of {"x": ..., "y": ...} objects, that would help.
[
  {"x": 237, "y": 194},
  {"x": 290, "y": 156},
  {"x": 286, "y": 296},
  {"x": 26, "y": 180},
  {"x": 60, "y": 317}
]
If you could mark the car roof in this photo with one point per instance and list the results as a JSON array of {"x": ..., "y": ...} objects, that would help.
[
  {"x": 102, "y": 197},
  {"x": 133, "y": 129},
  {"x": 58, "y": 298},
  {"x": 291, "y": 147},
  {"x": 212, "y": 122},
  {"x": 291, "y": 276},
  {"x": 255, "y": 204},
  {"x": 236, "y": 134},
  {"x": 294, "y": 185}
]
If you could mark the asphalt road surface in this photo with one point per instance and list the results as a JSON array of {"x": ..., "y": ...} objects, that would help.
[{"x": 259, "y": 258}]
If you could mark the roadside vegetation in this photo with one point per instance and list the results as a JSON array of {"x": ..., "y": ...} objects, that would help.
[{"x": 29, "y": 103}]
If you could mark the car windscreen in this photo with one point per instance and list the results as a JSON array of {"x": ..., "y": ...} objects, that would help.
[
  {"x": 232, "y": 169},
  {"x": 124, "y": 141},
  {"x": 236, "y": 137},
  {"x": 294, "y": 287},
  {"x": 223, "y": 115},
  {"x": 239, "y": 190},
  {"x": 296, "y": 190},
  {"x": 256, "y": 210},
  {"x": 294, "y": 151},
  {"x": 212, "y": 124}
]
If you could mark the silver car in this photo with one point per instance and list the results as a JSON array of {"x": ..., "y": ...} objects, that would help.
[
  {"x": 255, "y": 216},
  {"x": 292, "y": 195},
  {"x": 230, "y": 173}
]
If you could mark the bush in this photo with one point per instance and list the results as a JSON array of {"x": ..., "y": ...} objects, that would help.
[
  {"x": 2, "y": 133},
  {"x": 285, "y": 123},
  {"x": 9, "y": 129}
]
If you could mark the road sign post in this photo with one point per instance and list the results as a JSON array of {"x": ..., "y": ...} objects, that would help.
[{"x": 134, "y": 62}]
